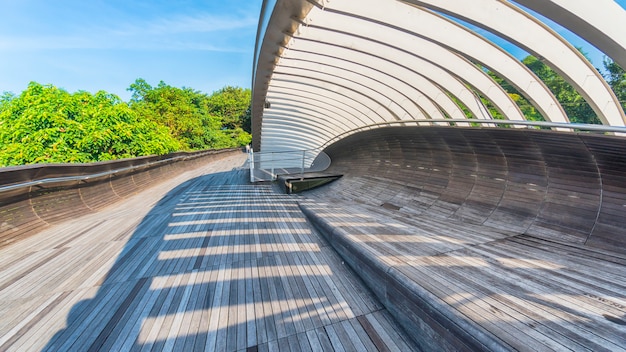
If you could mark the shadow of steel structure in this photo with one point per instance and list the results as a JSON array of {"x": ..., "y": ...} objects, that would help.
[{"x": 203, "y": 261}]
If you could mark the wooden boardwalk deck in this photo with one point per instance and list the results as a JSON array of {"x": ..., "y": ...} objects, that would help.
[
  {"x": 485, "y": 288},
  {"x": 200, "y": 262}
]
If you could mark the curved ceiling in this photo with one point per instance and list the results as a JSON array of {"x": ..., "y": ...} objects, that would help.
[{"x": 326, "y": 67}]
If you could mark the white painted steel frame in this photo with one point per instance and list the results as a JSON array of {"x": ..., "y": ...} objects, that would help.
[
  {"x": 408, "y": 81},
  {"x": 430, "y": 60},
  {"x": 519, "y": 27},
  {"x": 323, "y": 68},
  {"x": 600, "y": 22}
]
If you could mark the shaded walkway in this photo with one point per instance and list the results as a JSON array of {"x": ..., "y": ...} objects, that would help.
[{"x": 215, "y": 264}]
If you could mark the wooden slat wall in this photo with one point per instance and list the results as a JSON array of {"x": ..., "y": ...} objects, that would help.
[
  {"x": 28, "y": 214},
  {"x": 457, "y": 286},
  {"x": 485, "y": 239},
  {"x": 564, "y": 186}
]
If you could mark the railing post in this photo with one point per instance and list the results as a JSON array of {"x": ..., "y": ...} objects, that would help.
[
  {"x": 272, "y": 163},
  {"x": 251, "y": 161}
]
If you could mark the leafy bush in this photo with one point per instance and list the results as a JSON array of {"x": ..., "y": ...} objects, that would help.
[
  {"x": 46, "y": 124},
  {"x": 197, "y": 120}
]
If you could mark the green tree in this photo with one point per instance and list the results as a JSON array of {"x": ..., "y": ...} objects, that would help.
[
  {"x": 46, "y": 124},
  {"x": 529, "y": 111},
  {"x": 198, "y": 121},
  {"x": 232, "y": 104},
  {"x": 575, "y": 106},
  {"x": 616, "y": 77}
]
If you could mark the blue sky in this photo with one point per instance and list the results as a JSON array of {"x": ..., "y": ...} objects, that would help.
[{"x": 106, "y": 44}]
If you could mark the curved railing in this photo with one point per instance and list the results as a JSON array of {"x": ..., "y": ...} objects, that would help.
[
  {"x": 35, "y": 196},
  {"x": 266, "y": 166},
  {"x": 23, "y": 179},
  {"x": 461, "y": 123}
]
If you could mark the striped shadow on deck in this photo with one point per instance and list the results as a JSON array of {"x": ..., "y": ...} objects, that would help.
[{"x": 215, "y": 265}]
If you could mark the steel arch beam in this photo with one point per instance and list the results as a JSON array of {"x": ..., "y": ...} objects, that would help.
[
  {"x": 600, "y": 22},
  {"x": 361, "y": 111},
  {"x": 324, "y": 104},
  {"x": 326, "y": 76},
  {"x": 434, "y": 28},
  {"x": 376, "y": 112},
  {"x": 294, "y": 117},
  {"x": 372, "y": 35},
  {"x": 377, "y": 94},
  {"x": 510, "y": 22},
  {"x": 448, "y": 81},
  {"x": 393, "y": 88},
  {"x": 405, "y": 77},
  {"x": 313, "y": 107}
]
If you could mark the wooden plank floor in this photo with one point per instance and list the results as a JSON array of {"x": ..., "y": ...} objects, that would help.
[
  {"x": 527, "y": 293},
  {"x": 201, "y": 262}
]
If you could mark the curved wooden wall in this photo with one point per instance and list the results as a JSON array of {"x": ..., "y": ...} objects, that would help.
[
  {"x": 26, "y": 211},
  {"x": 562, "y": 186}
]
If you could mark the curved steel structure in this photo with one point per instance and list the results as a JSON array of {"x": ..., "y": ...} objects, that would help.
[{"x": 323, "y": 68}]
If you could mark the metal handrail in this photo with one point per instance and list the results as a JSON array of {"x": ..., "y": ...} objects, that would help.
[
  {"x": 305, "y": 159},
  {"x": 541, "y": 124},
  {"x": 78, "y": 178}
]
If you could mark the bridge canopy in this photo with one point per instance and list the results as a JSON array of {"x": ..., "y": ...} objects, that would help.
[{"x": 324, "y": 69}]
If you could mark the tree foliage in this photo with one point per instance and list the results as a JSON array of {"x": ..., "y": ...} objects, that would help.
[
  {"x": 616, "y": 77},
  {"x": 529, "y": 111},
  {"x": 233, "y": 104},
  {"x": 575, "y": 106},
  {"x": 45, "y": 124},
  {"x": 198, "y": 121}
]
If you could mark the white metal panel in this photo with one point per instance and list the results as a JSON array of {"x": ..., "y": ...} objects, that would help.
[
  {"x": 304, "y": 127},
  {"x": 318, "y": 103},
  {"x": 357, "y": 110},
  {"x": 366, "y": 76},
  {"x": 371, "y": 35},
  {"x": 297, "y": 117},
  {"x": 379, "y": 91},
  {"x": 462, "y": 40},
  {"x": 416, "y": 85},
  {"x": 435, "y": 73},
  {"x": 311, "y": 106},
  {"x": 372, "y": 111},
  {"x": 356, "y": 63}
]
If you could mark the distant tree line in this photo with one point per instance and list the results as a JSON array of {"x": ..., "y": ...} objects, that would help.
[{"x": 46, "y": 124}]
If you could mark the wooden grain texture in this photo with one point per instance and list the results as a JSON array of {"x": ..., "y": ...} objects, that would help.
[
  {"x": 458, "y": 290},
  {"x": 562, "y": 186},
  {"x": 203, "y": 261},
  {"x": 484, "y": 238}
]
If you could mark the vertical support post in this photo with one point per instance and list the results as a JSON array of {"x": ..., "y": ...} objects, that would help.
[
  {"x": 272, "y": 163},
  {"x": 251, "y": 161},
  {"x": 303, "y": 158}
]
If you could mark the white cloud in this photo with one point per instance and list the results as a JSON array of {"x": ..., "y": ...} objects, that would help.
[
  {"x": 202, "y": 23},
  {"x": 203, "y": 32}
]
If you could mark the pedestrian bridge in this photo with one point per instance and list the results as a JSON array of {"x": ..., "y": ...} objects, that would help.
[
  {"x": 444, "y": 232},
  {"x": 475, "y": 227}
]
